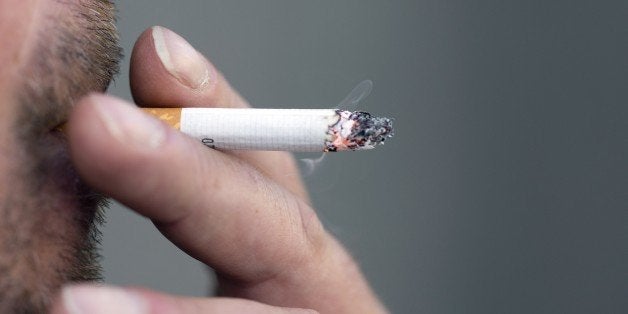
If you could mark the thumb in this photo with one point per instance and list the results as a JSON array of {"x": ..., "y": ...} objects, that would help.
[{"x": 96, "y": 299}]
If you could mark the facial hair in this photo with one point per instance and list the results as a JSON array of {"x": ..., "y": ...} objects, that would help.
[{"x": 48, "y": 216}]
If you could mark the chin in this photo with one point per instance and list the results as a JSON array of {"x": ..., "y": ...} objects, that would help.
[{"x": 48, "y": 230}]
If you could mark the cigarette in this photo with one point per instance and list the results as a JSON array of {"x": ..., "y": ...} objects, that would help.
[{"x": 296, "y": 130}]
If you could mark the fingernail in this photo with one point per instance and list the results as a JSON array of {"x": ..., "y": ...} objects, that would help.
[
  {"x": 102, "y": 299},
  {"x": 127, "y": 124},
  {"x": 180, "y": 59}
]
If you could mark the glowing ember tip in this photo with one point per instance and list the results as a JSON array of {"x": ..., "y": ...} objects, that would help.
[{"x": 358, "y": 130}]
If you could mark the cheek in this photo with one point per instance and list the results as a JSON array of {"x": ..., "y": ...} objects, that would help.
[{"x": 18, "y": 21}]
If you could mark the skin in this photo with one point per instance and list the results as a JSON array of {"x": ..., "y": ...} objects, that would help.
[
  {"x": 47, "y": 236},
  {"x": 247, "y": 215}
]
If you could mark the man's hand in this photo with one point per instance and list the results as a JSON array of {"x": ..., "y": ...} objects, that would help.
[{"x": 245, "y": 214}]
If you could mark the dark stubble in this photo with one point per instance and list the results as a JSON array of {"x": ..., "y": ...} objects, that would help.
[{"x": 48, "y": 216}]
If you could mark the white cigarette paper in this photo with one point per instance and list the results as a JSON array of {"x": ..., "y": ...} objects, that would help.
[{"x": 297, "y": 130}]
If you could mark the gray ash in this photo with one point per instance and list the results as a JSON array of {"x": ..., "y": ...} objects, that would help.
[
  {"x": 369, "y": 130},
  {"x": 358, "y": 130}
]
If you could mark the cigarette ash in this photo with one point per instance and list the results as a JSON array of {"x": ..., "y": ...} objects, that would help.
[{"x": 358, "y": 130}]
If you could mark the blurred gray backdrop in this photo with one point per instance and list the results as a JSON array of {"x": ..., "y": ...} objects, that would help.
[{"x": 505, "y": 189}]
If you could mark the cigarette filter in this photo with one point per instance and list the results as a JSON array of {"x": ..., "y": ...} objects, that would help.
[{"x": 297, "y": 130}]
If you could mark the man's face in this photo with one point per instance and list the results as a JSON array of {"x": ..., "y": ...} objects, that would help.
[{"x": 51, "y": 53}]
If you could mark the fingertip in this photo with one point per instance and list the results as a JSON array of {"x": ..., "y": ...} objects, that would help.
[
  {"x": 108, "y": 136},
  {"x": 83, "y": 299},
  {"x": 84, "y": 130},
  {"x": 106, "y": 123},
  {"x": 144, "y": 69},
  {"x": 167, "y": 71}
]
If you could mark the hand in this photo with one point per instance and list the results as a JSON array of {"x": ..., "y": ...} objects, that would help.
[{"x": 245, "y": 214}]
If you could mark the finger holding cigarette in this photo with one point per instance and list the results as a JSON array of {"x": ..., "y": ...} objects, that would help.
[
  {"x": 296, "y": 130},
  {"x": 246, "y": 214}
]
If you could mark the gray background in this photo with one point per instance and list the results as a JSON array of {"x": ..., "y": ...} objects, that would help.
[{"x": 505, "y": 189}]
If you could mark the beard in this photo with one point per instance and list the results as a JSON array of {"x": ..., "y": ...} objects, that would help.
[{"x": 48, "y": 216}]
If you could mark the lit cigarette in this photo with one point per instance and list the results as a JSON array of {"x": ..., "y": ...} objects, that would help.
[{"x": 297, "y": 130}]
